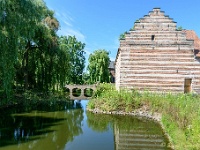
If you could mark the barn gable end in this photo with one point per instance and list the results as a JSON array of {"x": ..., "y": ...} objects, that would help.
[{"x": 156, "y": 56}]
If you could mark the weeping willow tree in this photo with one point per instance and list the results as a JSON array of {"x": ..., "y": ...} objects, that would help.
[
  {"x": 32, "y": 56},
  {"x": 43, "y": 55},
  {"x": 98, "y": 66},
  {"x": 18, "y": 21}
]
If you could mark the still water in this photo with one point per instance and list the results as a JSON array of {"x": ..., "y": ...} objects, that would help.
[{"x": 68, "y": 126}]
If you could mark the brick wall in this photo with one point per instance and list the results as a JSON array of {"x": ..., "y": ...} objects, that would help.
[{"x": 156, "y": 56}]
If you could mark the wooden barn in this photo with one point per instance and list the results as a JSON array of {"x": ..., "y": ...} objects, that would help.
[{"x": 156, "y": 56}]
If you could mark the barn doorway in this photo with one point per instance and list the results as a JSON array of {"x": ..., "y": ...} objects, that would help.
[{"x": 188, "y": 85}]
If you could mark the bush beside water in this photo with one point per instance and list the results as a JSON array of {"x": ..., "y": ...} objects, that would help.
[{"x": 180, "y": 112}]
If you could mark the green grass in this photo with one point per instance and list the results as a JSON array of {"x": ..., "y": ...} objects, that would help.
[{"x": 180, "y": 112}]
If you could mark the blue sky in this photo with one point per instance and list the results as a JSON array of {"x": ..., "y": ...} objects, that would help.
[{"x": 98, "y": 23}]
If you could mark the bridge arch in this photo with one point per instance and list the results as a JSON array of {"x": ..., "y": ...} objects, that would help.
[
  {"x": 88, "y": 92},
  {"x": 83, "y": 89},
  {"x": 76, "y": 92}
]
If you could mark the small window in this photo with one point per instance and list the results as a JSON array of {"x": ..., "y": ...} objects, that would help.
[{"x": 152, "y": 37}]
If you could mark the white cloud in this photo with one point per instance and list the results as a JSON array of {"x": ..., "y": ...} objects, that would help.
[
  {"x": 65, "y": 18},
  {"x": 67, "y": 27},
  {"x": 73, "y": 32},
  {"x": 67, "y": 23}
]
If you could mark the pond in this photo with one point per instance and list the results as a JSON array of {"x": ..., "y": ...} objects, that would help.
[{"x": 68, "y": 126}]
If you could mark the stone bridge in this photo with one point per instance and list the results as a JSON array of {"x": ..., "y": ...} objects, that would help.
[{"x": 83, "y": 89}]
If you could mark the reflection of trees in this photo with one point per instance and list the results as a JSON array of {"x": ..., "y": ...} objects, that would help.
[
  {"x": 19, "y": 129},
  {"x": 98, "y": 122},
  {"x": 49, "y": 106},
  {"x": 133, "y": 123},
  {"x": 66, "y": 131},
  {"x": 74, "y": 126},
  {"x": 57, "y": 126}
]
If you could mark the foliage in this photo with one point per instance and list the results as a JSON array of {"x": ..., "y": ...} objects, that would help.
[
  {"x": 32, "y": 56},
  {"x": 18, "y": 18},
  {"x": 86, "y": 78},
  {"x": 98, "y": 66},
  {"x": 122, "y": 36},
  {"x": 138, "y": 20},
  {"x": 107, "y": 98},
  {"x": 179, "y": 28},
  {"x": 180, "y": 112},
  {"x": 76, "y": 59}
]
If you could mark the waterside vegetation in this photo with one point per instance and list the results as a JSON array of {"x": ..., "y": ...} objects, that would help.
[
  {"x": 180, "y": 113},
  {"x": 34, "y": 58}
]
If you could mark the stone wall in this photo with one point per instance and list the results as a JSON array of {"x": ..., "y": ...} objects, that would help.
[{"x": 156, "y": 56}]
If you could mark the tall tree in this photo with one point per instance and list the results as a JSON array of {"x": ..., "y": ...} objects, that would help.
[
  {"x": 31, "y": 53},
  {"x": 77, "y": 59},
  {"x": 44, "y": 62},
  {"x": 18, "y": 18},
  {"x": 98, "y": 66}
]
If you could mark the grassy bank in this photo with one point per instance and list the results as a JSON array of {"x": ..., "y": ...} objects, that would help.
[{"x": 180, "y": 112}]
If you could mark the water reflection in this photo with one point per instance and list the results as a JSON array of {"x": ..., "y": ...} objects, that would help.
[
  {"x": 69, "y": 126},
  {"x": 41, "y": 129},
  {"x": 129, "y": 132}
]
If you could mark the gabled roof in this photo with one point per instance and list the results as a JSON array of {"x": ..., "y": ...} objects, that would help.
[
  {"x": 191, "y": 35},
  {"x": 111, "y": 65}
]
